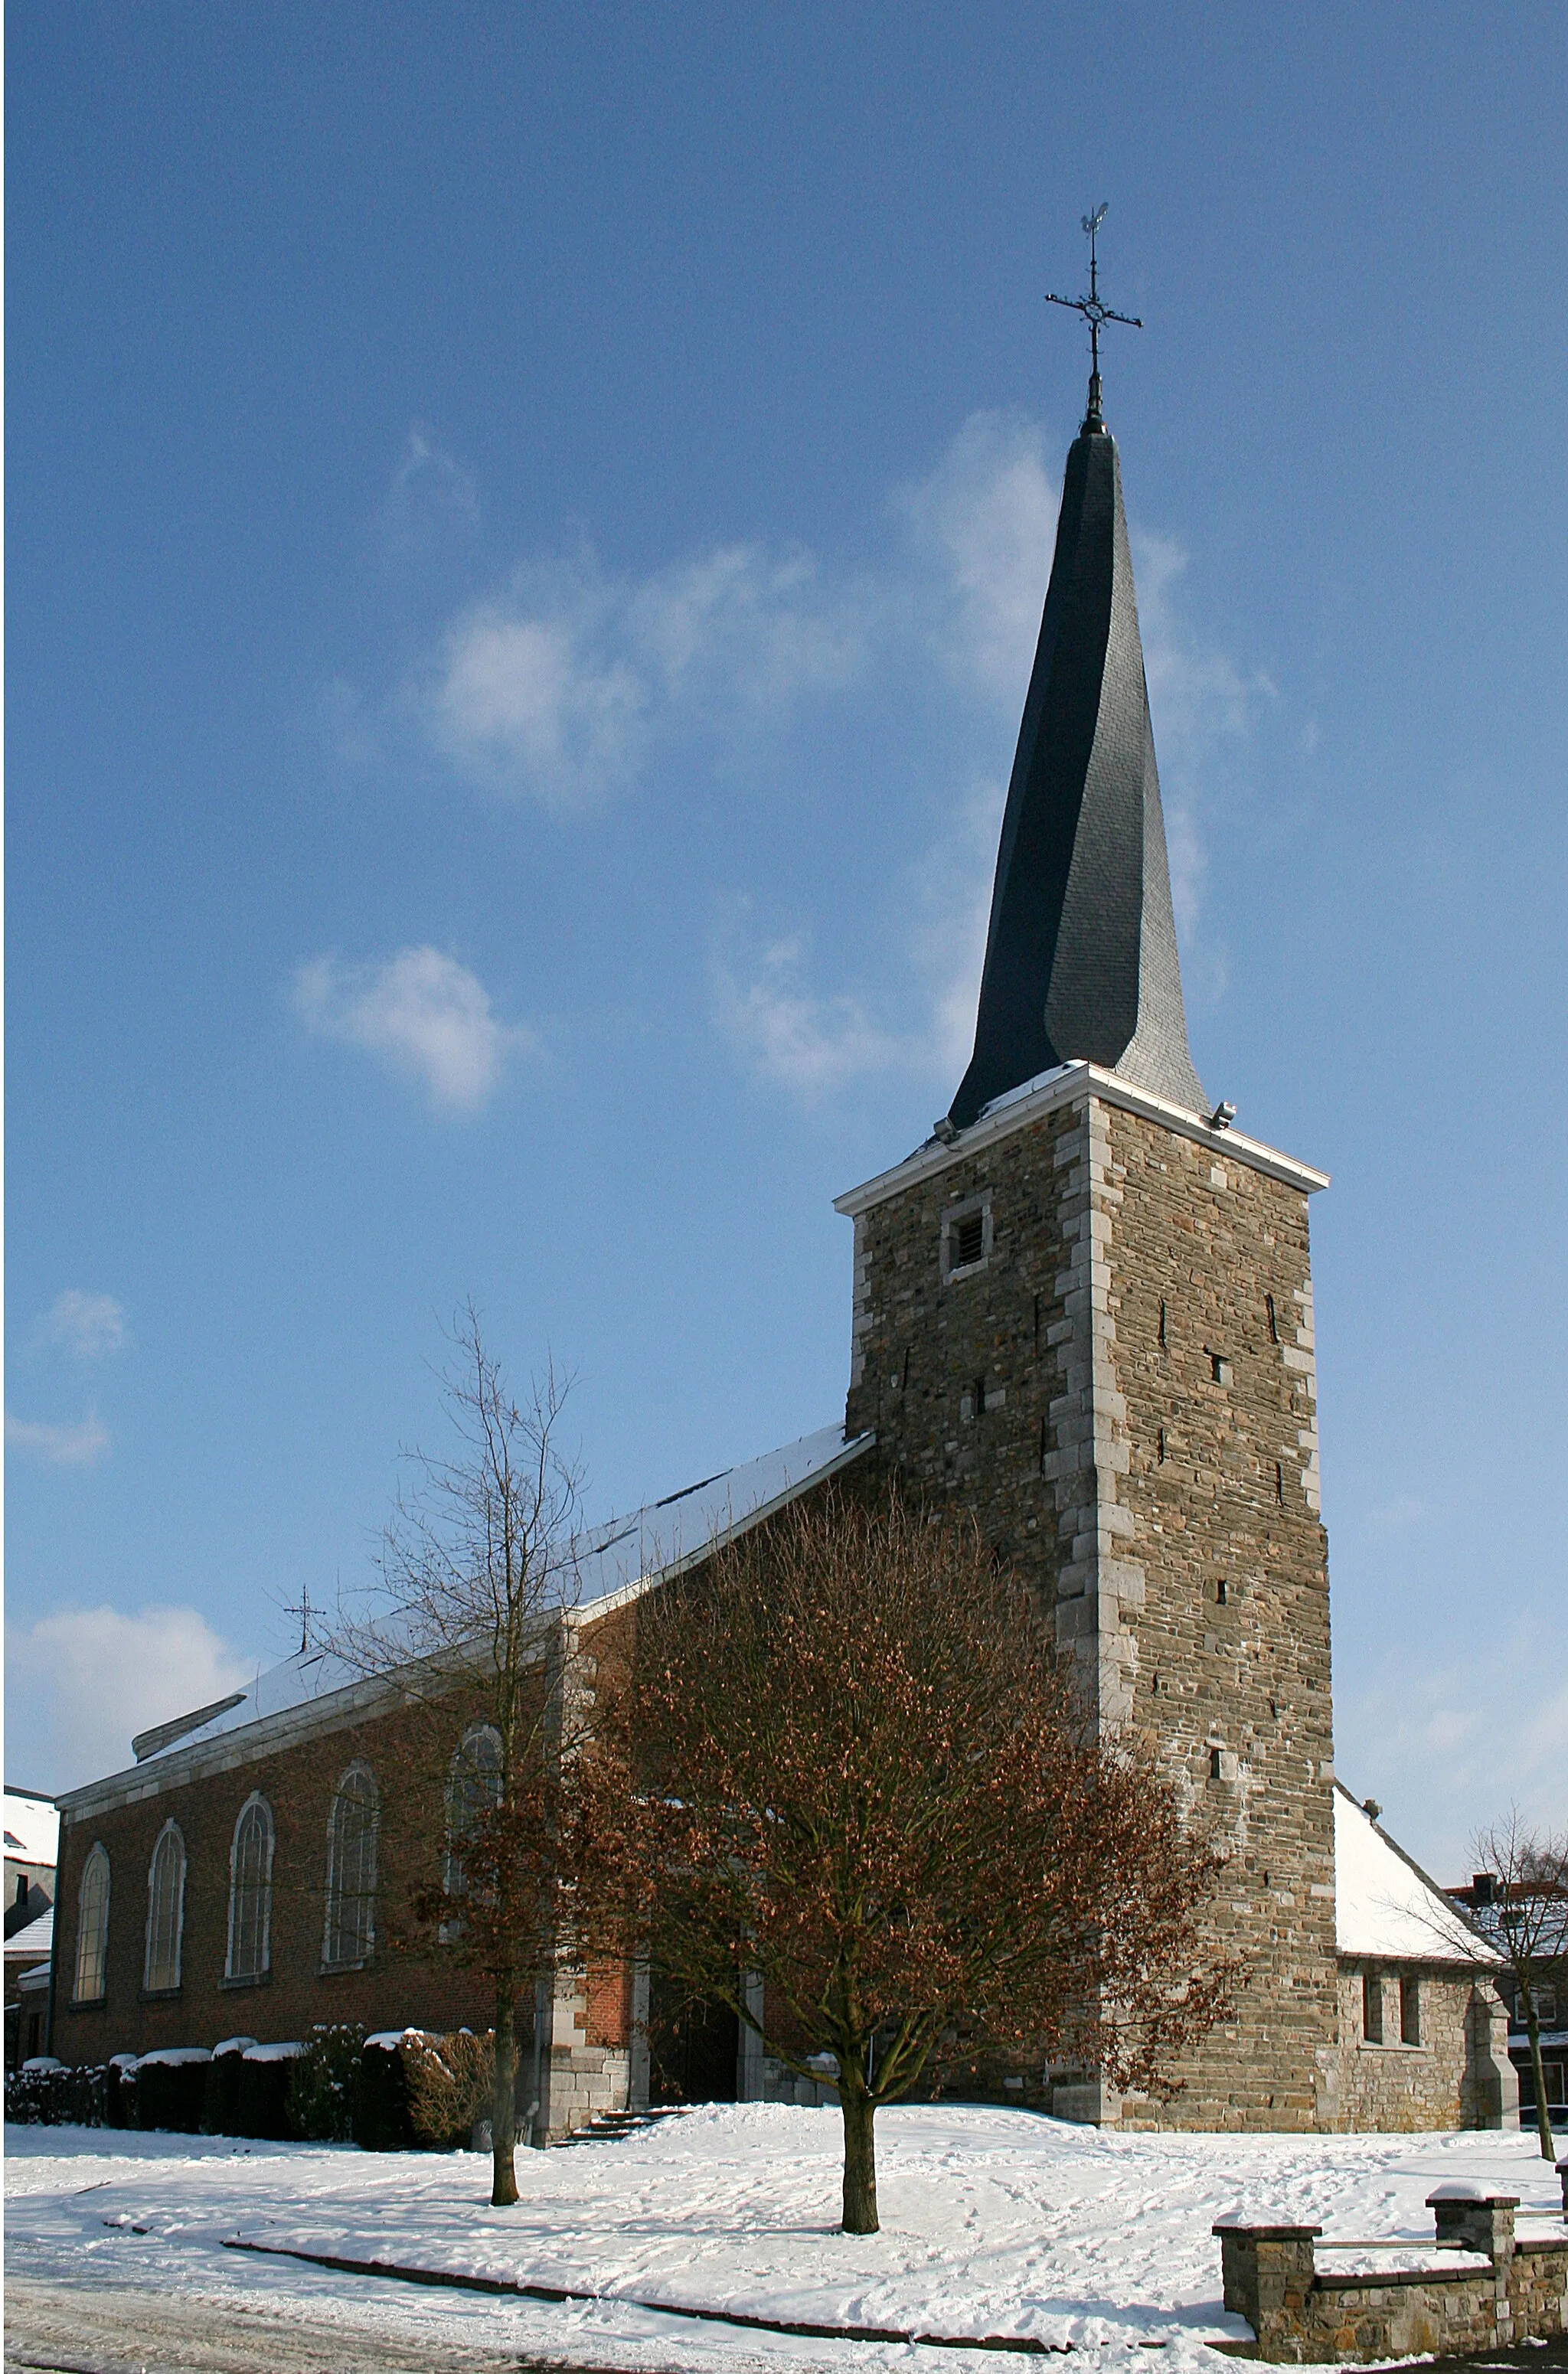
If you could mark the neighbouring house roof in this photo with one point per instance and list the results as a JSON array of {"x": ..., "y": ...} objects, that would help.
[
  {"x": 1385, "y": 1906},
  {"x": 614, "y": 1561},
  {"x": 32, "y": 1831},
  {"x": 37, "y": 1939}
]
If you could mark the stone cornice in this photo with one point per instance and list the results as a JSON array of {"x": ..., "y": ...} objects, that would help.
[{"x": 1073, "y": 1084}]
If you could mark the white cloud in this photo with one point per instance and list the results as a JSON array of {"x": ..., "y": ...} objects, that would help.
[
  {"x": 558, "y": 690},
  {"x": 1198, "y": 699},
  {"x": 528, "y": 700},
  {"x": 80, "y": 1683},
  {"x": 423, "y": 1012},
  {"x": 950, "y": 900},
  {"x": 59, "y": 1446},
  {"x": 984, "y": 525},
  {"x": 784, "y": 1032},
  {"x": 91, "y": 1325}
]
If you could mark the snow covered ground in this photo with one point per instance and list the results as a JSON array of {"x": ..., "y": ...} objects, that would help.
[{"x": 995, "y": 2222}]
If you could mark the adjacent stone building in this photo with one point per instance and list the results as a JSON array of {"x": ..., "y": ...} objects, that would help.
[{"x": 1082, "y": 1309}]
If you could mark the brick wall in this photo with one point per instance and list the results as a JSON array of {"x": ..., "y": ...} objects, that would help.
[
  {"x": 407, "y": 1981},
  {"x": 1122, "y": 1388}
]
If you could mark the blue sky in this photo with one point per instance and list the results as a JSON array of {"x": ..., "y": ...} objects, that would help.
[{"x": 526, "y": 528}]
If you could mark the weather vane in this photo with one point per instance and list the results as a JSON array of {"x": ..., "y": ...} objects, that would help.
[{"x": 1094, "y": 313}]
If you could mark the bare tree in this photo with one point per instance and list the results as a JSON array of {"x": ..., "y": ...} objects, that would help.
[
  {"x": 475, "y": 1566},
  {"x": 841, "y": 1760},
  {"x": 1527, "y": 1920}
]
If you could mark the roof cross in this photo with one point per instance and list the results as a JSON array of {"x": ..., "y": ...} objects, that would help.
[
  {"x": 304, "y": 1611},
  {"x": 1094, "y": 313}
]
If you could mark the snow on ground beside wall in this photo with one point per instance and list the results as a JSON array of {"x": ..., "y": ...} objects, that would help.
[{"x": 994, "y": 2222}]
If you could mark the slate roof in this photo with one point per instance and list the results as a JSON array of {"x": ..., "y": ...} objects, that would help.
[
  {"x": 1081, "y": 960},
  {"x": 33, "y": 1944}
]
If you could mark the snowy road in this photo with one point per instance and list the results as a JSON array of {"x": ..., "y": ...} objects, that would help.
[
  {"x": 52, "y": 2329},
  {"x": 994, "y": 2224}
]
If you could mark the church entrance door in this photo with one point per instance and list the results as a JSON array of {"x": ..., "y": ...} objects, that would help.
[{"x": 693, "y": 2048}]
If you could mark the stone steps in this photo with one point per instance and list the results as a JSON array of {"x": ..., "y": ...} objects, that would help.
[{"x": 609, "y": 2126}]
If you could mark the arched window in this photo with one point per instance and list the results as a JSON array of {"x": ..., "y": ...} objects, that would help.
[
  {"x": 351, "y": 1829},
  {"x": 473, "y": 1789},
  {"x": 250, "y": 1891},
  {"x": 165, "y": 1911},
  {"x": 92, "y": 1928}
]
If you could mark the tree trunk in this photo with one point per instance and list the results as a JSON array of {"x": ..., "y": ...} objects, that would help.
[
  {"x": 503, "y": 2107},
  {"x": 859, "y": 2159},
  {"x": 1543, "y": 2113}
]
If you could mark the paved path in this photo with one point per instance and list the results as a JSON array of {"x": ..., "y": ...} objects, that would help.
[{"x": 51, "y": 2328}]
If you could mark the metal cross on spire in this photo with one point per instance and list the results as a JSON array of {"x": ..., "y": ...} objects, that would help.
[{"x": 1094, "y": 313}]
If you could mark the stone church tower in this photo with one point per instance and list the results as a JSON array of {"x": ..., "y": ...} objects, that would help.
[{"x": 1083, "y": 1308}]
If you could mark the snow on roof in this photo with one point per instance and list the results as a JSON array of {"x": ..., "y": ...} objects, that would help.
[
  {"x": 1385, "y": 1906},
  {"x": 36, "y": 1939},
  {"x": 32, "y": 1830},
  {"x": 611, "y": 1558}
]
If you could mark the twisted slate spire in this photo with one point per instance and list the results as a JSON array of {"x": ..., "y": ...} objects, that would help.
[{"x": 1081, "y": 957}]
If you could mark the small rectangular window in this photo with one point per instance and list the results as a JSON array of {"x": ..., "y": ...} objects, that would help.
[
  {"x": 1372, "y": 2006},
  {"x": 1221, "y": 1367},
  {"x": 1214, "y": 1764},
  {"x": 966, "y": 1237},
  {"x": 1409, "y": 2009},
  {"x": 1273, "y": 1319},
  {"x": 1222, "y": 1592}
]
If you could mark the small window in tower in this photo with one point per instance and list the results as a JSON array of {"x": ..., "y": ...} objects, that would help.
[
  {"x": 1165, "y": 1340},
  {"x": 1161, "y": 1446},
  {"x": 1280, "y": 1481},
  {"x": 1214, "y": 1764},
  {"x": 1372, "y": 2006},
  {"x": 1409, "y": 2009},
  {"x": 966, "y": 1237},
  {"x": 1221, "y": 1367},
  {"x": 1222, "y": 1592},
  {"x": 1273, "y": 1321}
]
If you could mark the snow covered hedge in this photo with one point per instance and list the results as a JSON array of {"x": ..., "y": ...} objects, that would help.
[
  {"x": 43, "y": 2093},
  {"x": 340, "y": 2086}
]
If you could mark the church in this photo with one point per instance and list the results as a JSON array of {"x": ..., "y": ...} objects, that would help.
[{"x": 1082, "y": 1309}]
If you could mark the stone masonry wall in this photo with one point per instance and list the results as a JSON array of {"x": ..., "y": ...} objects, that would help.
[
  {"x": 1121, "y": 1387},
  {"x": 1457, "y": 2075},
  {"x": 1211, "y": 1305},
  {"x": 1480, "y": 2290}
]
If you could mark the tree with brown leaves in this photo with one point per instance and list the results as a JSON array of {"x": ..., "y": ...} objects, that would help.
[
  {"x": 841, "y": 1760},
  {"x": 1527, "y": 1920},
  {"x": 477, "y": 1574}
]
